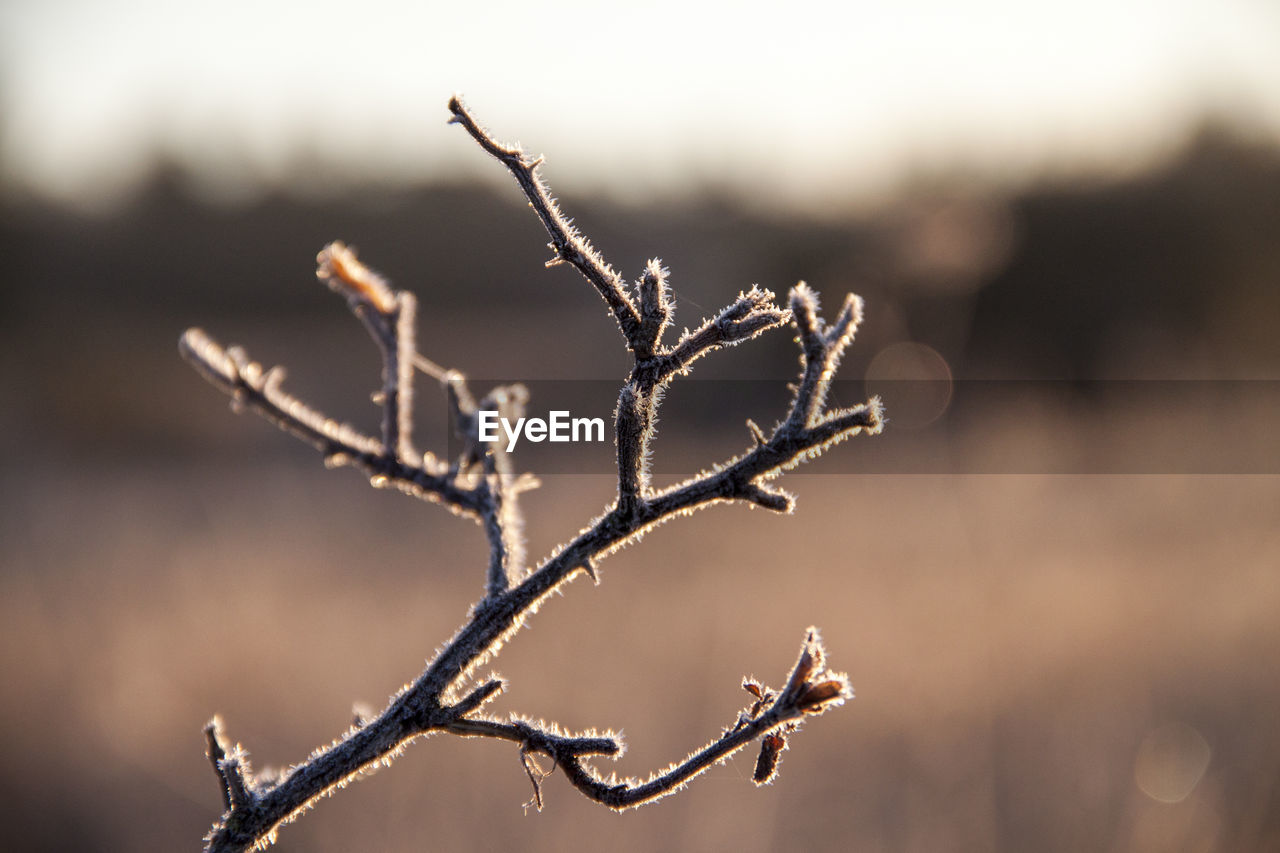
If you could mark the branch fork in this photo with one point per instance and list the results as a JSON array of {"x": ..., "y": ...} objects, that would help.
[{"x": 480, "y": 483}]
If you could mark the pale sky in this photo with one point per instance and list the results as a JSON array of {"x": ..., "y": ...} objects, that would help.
[{"x": 811, "y": 102}]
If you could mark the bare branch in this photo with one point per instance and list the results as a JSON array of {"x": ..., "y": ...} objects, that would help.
[
  {"x": 480, "y": 482},
  {"x": 217, "y": 751},
  {"x": 821, "y": 348},
  {"x": 389, "y": 317},
  {"x": 751, "y": 313},
  {"x": 793, "y": 702},
  {"x": 569, "y": 246},
  {"x": 774, "y": 499},
  {"x": 251, "y": 386},
  {"x": 542, "y": 737}
]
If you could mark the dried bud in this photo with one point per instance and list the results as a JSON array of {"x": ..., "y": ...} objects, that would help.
[
  {"x": 816, "y": 697},
  {"x": 767, "y": 763},
  {"x": 337, "y": 265}
]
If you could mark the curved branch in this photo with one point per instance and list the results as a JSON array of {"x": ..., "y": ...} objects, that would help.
[{"x": 810, "y": 691}]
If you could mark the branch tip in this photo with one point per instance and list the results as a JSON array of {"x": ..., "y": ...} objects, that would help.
[
  {"x": 778, "y": 501},
  {"x": 338, "y": 266},
  {"x": 217, "y": 752},
  {"x": 477, "y": 697},
  {"x": 804, "y": 310},
  {"x": 847, "y": 322},
  {"x": 655, "y": 307},
  {"x": 749, "y": 315},
  {"x": 235, "y": 772},
  {"x": 208, "y": 357},
  {"x": 567, "y": 244},
  {"x": 232, "y": 766},
  {"x": 811, "y": 689}
]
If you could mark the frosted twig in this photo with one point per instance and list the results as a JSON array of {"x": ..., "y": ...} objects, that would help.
[{"x": 480, "y": 482}]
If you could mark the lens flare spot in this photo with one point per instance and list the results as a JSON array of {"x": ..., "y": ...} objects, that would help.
[
  {"x": 1171, "y": 762},
  {"x": 916, "y": 378}
]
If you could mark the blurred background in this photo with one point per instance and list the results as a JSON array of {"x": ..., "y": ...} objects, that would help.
[{"x": 1053, "y": 580}]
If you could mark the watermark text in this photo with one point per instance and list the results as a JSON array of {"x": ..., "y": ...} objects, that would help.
[{"x": 558, "y": 426}]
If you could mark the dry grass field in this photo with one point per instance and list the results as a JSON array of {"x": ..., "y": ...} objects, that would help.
[{"x": 1041, "y": 662}]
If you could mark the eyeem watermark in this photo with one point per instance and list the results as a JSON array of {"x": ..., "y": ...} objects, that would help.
[
  {"x": 558, "y": 427},
  {"x": 935, "y": 426}
]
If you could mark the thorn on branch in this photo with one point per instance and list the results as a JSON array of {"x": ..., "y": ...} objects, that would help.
[
  {"x": 217, "y": 752},
  {"x": 235, "y": 771},
  {"x": 477, "y": 697},
  {"x": 778, "y": 501},
  {"x": 232, "y": 766},
  {"x": 361, "y": 714}
]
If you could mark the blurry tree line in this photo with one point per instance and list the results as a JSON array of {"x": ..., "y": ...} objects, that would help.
[{"x": 1167, "y": 273}]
